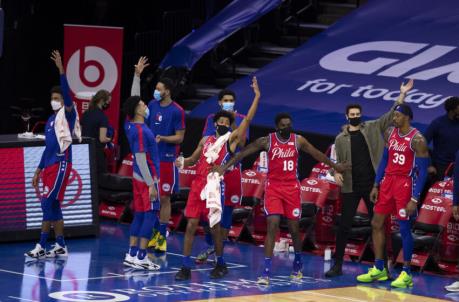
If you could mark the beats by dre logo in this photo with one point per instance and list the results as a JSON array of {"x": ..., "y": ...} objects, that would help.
[
  {"x": 72, "y": 194},
  {"x": 91, "y": 68}
]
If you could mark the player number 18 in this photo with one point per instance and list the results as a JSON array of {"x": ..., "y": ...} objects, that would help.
[{"x": 288, "y": 165}]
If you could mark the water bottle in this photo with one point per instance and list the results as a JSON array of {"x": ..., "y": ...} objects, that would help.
[
  {"x": 181, "y": 161},
  {"x": 327, "y": 254}
]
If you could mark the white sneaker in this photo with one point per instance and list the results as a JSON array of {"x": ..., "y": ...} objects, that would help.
[
  {"x": 145, "y": 264},
  {"x": 38, "y": 252},
  {"x": 57, "y": 251},
  {"x": 129, "y": 260},
  {"x": 453, "y": 287}
]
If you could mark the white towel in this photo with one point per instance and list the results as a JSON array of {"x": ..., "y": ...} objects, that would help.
[
  {"x": 62, "y": 129},
  {"x": 212, "y": 195},
  {"x": 213, "y": 151}
]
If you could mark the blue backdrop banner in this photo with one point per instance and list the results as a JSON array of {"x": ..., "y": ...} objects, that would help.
[{"x": 363, "y": 58}]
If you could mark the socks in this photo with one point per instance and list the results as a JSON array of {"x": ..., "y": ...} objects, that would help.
[
  {"x": 60, "y": 240},
  {"x": 379, "y": 263},
  {"x": 267, "y": 264},
  {"x": 163, "y": 229},
  {"x": 142, "y": 253},
  {"x": 133, "y": 251},
  {"x": 43, "y": 239},
  {"x": 297, "y": 257},
  {"x": 220, "y": 260},
  {"x": 187, "y": 261},
  {"x": 407, "y": 269}
]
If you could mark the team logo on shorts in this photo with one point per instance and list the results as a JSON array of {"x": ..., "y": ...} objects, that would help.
[
  {"x": 402, "y": 213},
  {"x": 296, "y": 212},
  {"x": 235, "y": 199},
  {"x": 453, "y": 238},
  {"x": 312, "y": 182},
  {"x": 166, "y": 187},
  {"x": 436, "y": 200},
  {"x": 250, "y": 173}
]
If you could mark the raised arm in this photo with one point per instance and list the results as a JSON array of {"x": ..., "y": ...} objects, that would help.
[
  {"x": 139, "y": 67},
  {"x": 307, "y": 147},
  {"x": 238, "y": 136},
  {"x": 260, "y": 144},
  {"x": 385, "y": 120},
  {"x": 68, "y": 103}
]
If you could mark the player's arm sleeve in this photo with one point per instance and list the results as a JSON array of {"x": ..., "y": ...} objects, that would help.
[
  {"x": 135, "y": 88},
  {"x": 141, "y": 160},
  {"x": 422, "y": 163},
  {"x": 66, "y": 91},
  {"x": 382, "y": 167}
]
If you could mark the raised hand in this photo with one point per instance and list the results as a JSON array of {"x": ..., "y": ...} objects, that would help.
[
  {"x": 141, "y": 65},
  {"x": 255, "y": 87},
  {"x": 404, "y": 88},
  {"x": 56, "y": 57}
]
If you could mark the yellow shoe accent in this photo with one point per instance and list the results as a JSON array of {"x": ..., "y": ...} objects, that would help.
[
  {"x": 154, "y": 239},
  {"x": 161, "y": 244},
  {"x": 403, "y": 281}
]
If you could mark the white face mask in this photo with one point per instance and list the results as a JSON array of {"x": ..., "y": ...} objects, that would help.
[{"x": 56, "y": 105}]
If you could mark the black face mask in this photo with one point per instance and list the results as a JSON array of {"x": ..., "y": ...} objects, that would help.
[
  {"x": 222, "y": 130},
  {"x": 285, "y": 132},
  {"x": 355, "y": 121}
]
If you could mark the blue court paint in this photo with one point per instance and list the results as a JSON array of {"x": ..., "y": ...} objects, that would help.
[{"x": 94, "y": 271}]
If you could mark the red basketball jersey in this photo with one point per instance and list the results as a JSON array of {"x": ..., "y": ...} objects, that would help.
[
  {"x": 203, "y": 167},
  {"x": 282, "y": 159},
  {"x": 401, "y": 154}
]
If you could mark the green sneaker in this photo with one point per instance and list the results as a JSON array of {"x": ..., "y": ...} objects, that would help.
[
  {"x": 403, "y": 281},
  {"x": 154, "y": 239},
  {"x": 161, "y": 244},
  {"x": 373, "y": 274}
]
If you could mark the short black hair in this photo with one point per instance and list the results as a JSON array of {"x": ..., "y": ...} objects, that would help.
[
  {"x": 451, "y": 103},
  {"x": 224, "y": 92},
  {"x": 56, "y": 89},
  {"x": 224, "y": 113},
  {"x": 282, "y": 115},
  {"x": 130, "y": 105},
  {"x": 168, "y": 84},
  {"x": 352, "y": 106}
]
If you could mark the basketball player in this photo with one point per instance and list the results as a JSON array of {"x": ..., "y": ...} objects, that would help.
[
  {"x": 144, "y": 182},
  {"x": 232, "y": 180},
  {"x": 195, "y": 206},
  {"x": 399, "y": 181},
  {"x": 282, "y": 192},
  {"x": 56, "y": 164}
]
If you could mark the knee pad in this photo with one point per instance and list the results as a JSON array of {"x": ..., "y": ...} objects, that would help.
[
  {"x": 149, "y": 220},
  {"x": 136, "y": 224},
  {"x": 227, "y": 217}
]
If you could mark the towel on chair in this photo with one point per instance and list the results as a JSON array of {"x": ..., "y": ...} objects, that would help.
[
  {"x": 62, "y": 129},
  {"x": 212, "y": 195}
]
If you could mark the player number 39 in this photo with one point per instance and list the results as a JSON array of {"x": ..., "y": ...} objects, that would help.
[{"x": 399, "y": 159}]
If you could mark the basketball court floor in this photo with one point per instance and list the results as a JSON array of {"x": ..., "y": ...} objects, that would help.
[{"x": 94, "y": 272}]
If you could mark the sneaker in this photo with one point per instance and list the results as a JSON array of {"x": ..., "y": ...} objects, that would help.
[
  {"x": 154, "y": 239},
  {"x": 183, "y": 274},
  {"x": 453, "y": 287},
  {"x": 145, "y": 264},
  {"x": 204, "y": 255},
  {"x": 335, "y": 271},
  {"x": 38, "y": 252},
  {"x": 219, "y": 271},
  {"x": 373, "y": 274},
  {"x": 297, "y": 273},
  {"x": 161, "y": 244},
  {"x": 129, "y": 260},
  {"x": 403, "y": 280},
  {"x": 263, "y": 280},
  {"x": 57, "y": 251}
]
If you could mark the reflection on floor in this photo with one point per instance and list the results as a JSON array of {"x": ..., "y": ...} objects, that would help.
[{"x": 94, "y": 272}]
